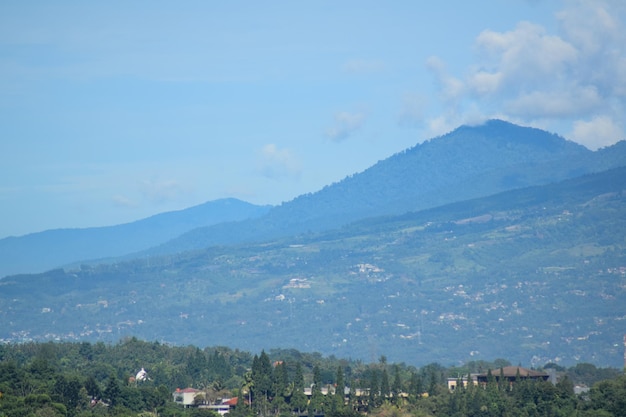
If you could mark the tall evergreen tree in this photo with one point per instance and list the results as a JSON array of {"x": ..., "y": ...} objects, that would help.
[
  {"x": 432, "y": 382},
  {"x": 396, "y": 386},
  {"x": 262, "y": 382},
  {"x": 112, "y": 392},
  {"x": 416, "y": 386},
  {"x": 298, "y": 399},
  {"x": 385, "y": 389},
  {"x": 280, "y": 388},
  {"x": 317, "y": 398},
  {"x": 340, "y": 388},
  {"x": 374, "y": 390}
]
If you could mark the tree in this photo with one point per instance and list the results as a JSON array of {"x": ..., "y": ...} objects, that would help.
[
  {"x": 610, "y": 396},
  {"x": 432, "y": 382},
  {"x": 374, "y": 390},
  {"x": 298, "y": 399},
  {"x": 196, "y": 366},
  {"x": 262, "y": 382},
  {"x": 396, "y": 386},
  {"x": 317, "y": 398},
  {"x": 340, "y": 391},
  {"x": 501, "y": 380},
  {"x": 416, "y": 386},
  {"x": 280, "y": 387},
  {"x": 385, "y": 389},
  {"x": 112, "y": 392},
  {"x": 67, "y": 391},
  {"x": 92, "y": 387}
]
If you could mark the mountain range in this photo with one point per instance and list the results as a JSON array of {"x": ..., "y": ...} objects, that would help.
[
  {"x": 469, "y": 162},
  {"x": 490, "y": 241},
  {"x": 38, "y": 252}
]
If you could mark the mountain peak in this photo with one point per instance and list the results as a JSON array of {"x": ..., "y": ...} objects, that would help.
[{"x": 504, "y": 132}]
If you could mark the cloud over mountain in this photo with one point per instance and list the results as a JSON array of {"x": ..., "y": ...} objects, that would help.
[
  {"x": 345, "y": 124},
  {"x": 274, "y": 162},
  {"x": 572, "y": 78}
]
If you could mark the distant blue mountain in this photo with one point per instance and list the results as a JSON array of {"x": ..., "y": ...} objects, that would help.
[
  {"x": 534, "y": 275},
  {"x": 49, "y": 249},
  {"x": 469, "y": 162}
]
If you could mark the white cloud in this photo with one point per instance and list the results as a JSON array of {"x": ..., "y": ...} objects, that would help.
[
  {"x": 596, "y": 133},
  {"x": 524, "y": 55},
  {"x": 346, "y": 123},
  {"x": 571, "y": 78},
  {"x": 276, "y": 163},
  {"x": 589, "y": 24},
  {"x": 576, "y": 101},
  {"x": 451, "y": 88},
  {"x": 483, "y": 82}
]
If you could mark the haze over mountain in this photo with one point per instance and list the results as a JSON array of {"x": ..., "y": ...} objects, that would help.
[
  {"x": 38, "y": 252},
  {"x": 469, "y": 162}
]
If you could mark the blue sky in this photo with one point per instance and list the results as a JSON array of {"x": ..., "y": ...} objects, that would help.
[{"x": 114, "y": 111}]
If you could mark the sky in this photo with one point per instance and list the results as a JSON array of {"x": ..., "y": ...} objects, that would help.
[{"x": 114, "y": 111}]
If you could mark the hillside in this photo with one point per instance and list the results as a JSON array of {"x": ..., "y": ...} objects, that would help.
[
  {"x": 41, "y": 251},
  {"x": 467, "y": 163},
  {"x": 534, "y": 275},
  {"x": 470, "y": 162}
]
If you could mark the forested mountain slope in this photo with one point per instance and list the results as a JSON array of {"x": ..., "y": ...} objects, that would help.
[
  {"x": 470, "y": 162},
  {"x": 41, "y": 251},
  {"x": 534, "y": 275},
  {"x": 467, "y": 163}
]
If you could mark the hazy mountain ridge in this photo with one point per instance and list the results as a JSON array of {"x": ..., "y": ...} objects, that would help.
[
  {"x": 533, "y": 274},
  {"x": 40, "y": 251},
  {"x": 536, "y": 275},
  {"x": 467, "y": 163}
]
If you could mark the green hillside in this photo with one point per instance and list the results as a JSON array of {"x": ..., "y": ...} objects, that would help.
[
  {"x": 38, "y": 252},
  {"x": 469, "y": 162},
  {"x": 534, "y": 275}
]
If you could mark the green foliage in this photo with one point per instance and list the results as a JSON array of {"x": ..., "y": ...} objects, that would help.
[
  {"x": 608, "y": 396},
  {"x": 529, "y": 274},
  {"x": 43, "y": 380},
  {"x": 463, "y": 281},
  {"x": 298, "y": 400}
]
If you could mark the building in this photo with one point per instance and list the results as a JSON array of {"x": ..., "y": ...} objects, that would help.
[
  {"x": 509, "y": 373},
  {"x": 188, "y": 397},
  {"x": 191, "y": 397},
  {"x": 453, "y": 382},
  {"x": 223, "y": 407}
]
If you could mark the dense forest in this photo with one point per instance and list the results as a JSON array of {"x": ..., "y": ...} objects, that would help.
[{"x": 83, "y": 379}]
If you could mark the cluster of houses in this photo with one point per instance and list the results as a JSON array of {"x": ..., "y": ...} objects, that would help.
[{"x": 191, "y": 397}]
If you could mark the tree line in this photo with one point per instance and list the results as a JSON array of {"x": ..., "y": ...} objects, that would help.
[{"x": 83, "y": 379}]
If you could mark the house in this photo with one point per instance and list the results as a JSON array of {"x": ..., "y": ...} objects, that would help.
[
  {"x": 453, "y": 382},
  {"x": 188, "y": 397},
  {"x": 223, "y": 407},
  {"x": 191, "y": 397},
  {"x": 509, "y": 373}
]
